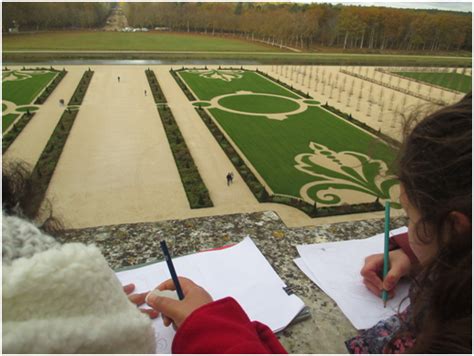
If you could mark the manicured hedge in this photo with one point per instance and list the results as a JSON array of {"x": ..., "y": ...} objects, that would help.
[
  {"x": 44, "y": 168},
  {"x": 81, "y": 89},
  {"x": 183, "y": 86},
  {"x": 196, "y": 191},
  {"x": 50, "y": 88},
  {"x": 13, "y": 133},
  {"x": 315, "y": 211},
  {"x": 158, "y": 95}
]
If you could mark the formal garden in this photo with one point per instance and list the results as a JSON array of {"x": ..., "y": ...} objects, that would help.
[
  {"x": 23, "y": 91},
  {"x": 301, "y": 150}
]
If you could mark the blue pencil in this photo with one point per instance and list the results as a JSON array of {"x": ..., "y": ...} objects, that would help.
[
  {"x": 386, "y": 259},
  {"x": 174, "y": 276}
]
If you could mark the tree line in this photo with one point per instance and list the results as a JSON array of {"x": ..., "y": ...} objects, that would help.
[
  {"x": 313, "y": 25},
  {"x": 41, "y": 16},
  {"x": 304, "y": 26}
]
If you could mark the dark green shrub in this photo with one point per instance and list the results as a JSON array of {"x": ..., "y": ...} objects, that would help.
[{"x": 81, "y": 89}]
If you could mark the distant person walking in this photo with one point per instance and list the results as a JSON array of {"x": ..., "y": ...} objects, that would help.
[
  {"x": 118, "y": 79},
  {"x": 145, "y": 92},
  {"x": 230, "y": 178}
]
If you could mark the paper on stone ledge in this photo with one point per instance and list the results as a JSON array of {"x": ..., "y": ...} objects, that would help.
[
  {"x": 239, "y": 271},
  {"x": 335, "y": 268}
]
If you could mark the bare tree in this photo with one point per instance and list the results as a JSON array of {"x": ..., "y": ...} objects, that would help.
[{"x": 390, "y": 103}]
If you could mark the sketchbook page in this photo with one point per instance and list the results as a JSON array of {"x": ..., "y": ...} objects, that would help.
[
  {"x": 245, "y": 274},
  {"x": 335, "y": 268},
  {"x": 240, "y": 271}
]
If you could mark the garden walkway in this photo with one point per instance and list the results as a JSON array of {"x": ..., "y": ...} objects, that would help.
[
  {"x": 31, "y": 141},
  {"x": 117, "y": 166}
]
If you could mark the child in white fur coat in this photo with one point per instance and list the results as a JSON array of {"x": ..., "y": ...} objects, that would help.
[{"x": 64, "y": 298}]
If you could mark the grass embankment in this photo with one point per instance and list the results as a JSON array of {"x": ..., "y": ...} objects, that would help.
[
  {"x": 23, "y": 91},
  {"x": 453, "y": 81},
  {"x": 48, "y": 160},
  {"x": 196, "y": 191},
  {"x": 126, "y": 41}
]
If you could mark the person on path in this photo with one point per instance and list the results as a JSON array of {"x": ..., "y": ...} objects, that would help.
[
  {"x": 229, "y": 178},
  {"x": 145, "y": 92},
  {"x": 118, "y": 78}
]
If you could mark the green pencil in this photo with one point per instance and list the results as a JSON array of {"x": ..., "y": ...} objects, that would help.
[{"x": 386, "y": 259}]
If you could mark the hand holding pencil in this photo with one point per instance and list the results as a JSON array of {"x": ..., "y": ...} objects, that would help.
[
  {"x": 400, "y": 266},
  {"x": 176, "y": 311}
]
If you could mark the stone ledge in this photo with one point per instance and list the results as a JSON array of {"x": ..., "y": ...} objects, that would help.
[{"x": 132, "y": 244}]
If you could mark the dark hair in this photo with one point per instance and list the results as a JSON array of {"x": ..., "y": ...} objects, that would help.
[
  {"x": 434, "y": 168},
  {"x": 18, "y": 188}
]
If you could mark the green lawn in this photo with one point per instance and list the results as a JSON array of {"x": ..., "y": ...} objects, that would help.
[
  {"x": 455, "y": 81},
  {"x": 258, "y": 103},
  {"x": 7, "y": 120},
  {"x": 126, "y": 41},
  {"x": 206, "y": 87},
  {"x": 273, "y": 146},
  {"x": 24, "y": 91}
]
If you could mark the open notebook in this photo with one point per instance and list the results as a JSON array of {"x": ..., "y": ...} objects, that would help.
[{"x": 239, "y": 271}]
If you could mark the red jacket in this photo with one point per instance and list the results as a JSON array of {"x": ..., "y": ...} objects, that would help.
[{"x": 223, "y": 327}]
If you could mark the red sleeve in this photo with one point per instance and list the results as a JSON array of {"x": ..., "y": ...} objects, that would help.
[
  {"x": 401, "y": 241},
  {"x": 223, "y": 327}
]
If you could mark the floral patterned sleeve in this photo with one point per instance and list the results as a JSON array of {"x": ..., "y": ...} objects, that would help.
[{"x": 375, "y": 339}]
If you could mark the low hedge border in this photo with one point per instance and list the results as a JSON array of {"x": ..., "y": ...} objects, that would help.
[
  {"x": 13, "y": 133},
  {"x": 196, "y": 190},
  {"x": 81, "y": 89},
  {"x": 44, "y": 168},
  {"x": 316, "y": 212},
  {"x": 155, "y": 87},
  {"x": 182, "y": 85},
  {"x": 50, "y": 88}
]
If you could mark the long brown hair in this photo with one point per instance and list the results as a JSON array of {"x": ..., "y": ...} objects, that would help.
[
  {"x": 18, "y": 187},
  {"x": 435, "y": 170}
]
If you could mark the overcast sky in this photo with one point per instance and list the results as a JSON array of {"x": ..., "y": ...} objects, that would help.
[{"x": 451, "y": 5}]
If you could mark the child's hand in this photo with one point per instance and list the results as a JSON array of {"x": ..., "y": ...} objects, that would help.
[
  {"x": 399, "y": 266},
  {"x": 174, "y": 311},
  {"x": 139, "y": 299}
]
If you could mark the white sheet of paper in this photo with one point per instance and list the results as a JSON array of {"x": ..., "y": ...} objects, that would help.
[
  {"x": 335, "y": 268},
  {"x": 240, "y": 271}
]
